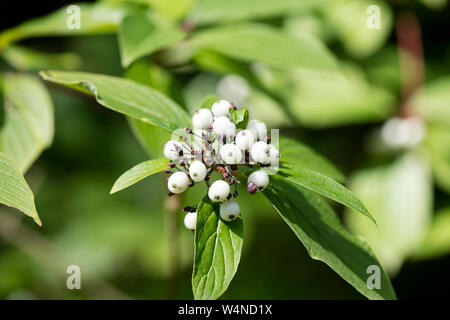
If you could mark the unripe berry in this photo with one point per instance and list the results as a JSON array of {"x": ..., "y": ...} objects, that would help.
[
  {"x": 197, "y": 171},
  {"x": 260, "y": 178},
  {"x": 178, "y": 182},
  {"x": 221, "y": 108},
  {"x": 219, "y": 191},
  {"x": 258, "y": 128},
  {"x": 171, "y": 149},
  {"x": 260, "y": 152},
  {"x": 230, "y": 153},
  {"x": 202, "y": 119},
  {"x": 223, "y": 126},
  {"x": 245, "y": 139},
  {"x": 229, "y": 210},
  {"x": 190, "y": 220}
]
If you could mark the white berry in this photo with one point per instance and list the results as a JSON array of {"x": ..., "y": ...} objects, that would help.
[
  {"x": 229, "y": 210},
  {"x": 260, "y": 152},
  {"x": 260, "y": 178},
  {"x": 403, "y": 132},
  {"x": 258, "y": 128},
  {"x": 230, "y": 153},
  {"x": 219, "y": 191},
  {"x": 221, "y": 108},
  {"x": 223, "y": 126},
  {"x": 197, "y": 171},
  {"x": 178, "y": 182},
  {"x": 190, "y": 220},
  {"x": 171, "y": 149},
  {"x": 245, "y": 139},
  {"x": 202, "y": 119}
]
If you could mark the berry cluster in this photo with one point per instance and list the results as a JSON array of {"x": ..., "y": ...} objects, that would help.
[{"x": 215, "y": 145}]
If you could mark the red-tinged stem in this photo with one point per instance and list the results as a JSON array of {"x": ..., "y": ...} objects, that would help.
[{"x": 412, "y": 67}]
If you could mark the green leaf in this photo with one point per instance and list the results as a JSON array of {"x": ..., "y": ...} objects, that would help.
[
  {"x": 94, "y": 19},
  {"x": 28, "y": 120},
  {"x": 218, "y": 246},
  {"x": 24, "y": 58},
  {"x": 261, "y": 103},
  {"x": 218, "y": 63},
  {"x": 139, "y": 172},
  {"x": 437, "y": 241},
  {"x": 139, "y": 35},
  {"x": 319, "y": 229},
  {"x": 209, "y": 101},
  {"x": 239, "y": 117},
  {"x": 125, "y": 96},
  {"x": 437, "y": 143},
  {"x": 432, "y": 102},
  {"x": 400, "y": 197},
  {"x": 171, "y": 9},
  {"x": 14, "y": 190},
  {"x": 320, "y": 183},
  {"x": 349, "y": 99},
  {"x": 217, "y": 11},
  {"x": 356, "y": 37},
  {"x": 156, "y": 77},
  {"x": 298, "y": 154},
  {"x": 151, "y": 138},
  {"x": 257, "y": 42}
]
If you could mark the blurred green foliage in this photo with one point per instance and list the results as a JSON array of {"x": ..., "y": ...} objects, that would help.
[{"x": 120, "y": 241}]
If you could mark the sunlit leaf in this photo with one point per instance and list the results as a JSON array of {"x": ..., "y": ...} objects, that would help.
[
  {"x": 319, "y": 229},
  {"x": 218, "y": 246},
  {"x": 24, "y": 58},
  {"x": 94, "y": 18},
  {"x": 258, "y": 42},
  {"x": 432, "y": 102},
  {"x": 139, "y": 172},
  {"x": 298, "y": 154},
  {"x": 217, "y": 11},
  {"x": 14, "y": 190},
  {"x": 324, "y": 185},
  {"x": 332, "y": 99},
  {"x": 139, "y": 35},
  {"x": 149, "y": 136},
  {"x": 208, "y": 102},
  {"x": 125, "y": 96},
  {"x": 28, "y": 126},
  {"x": 239, "y": 117},
  {"x": 360, "y": 35}
]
